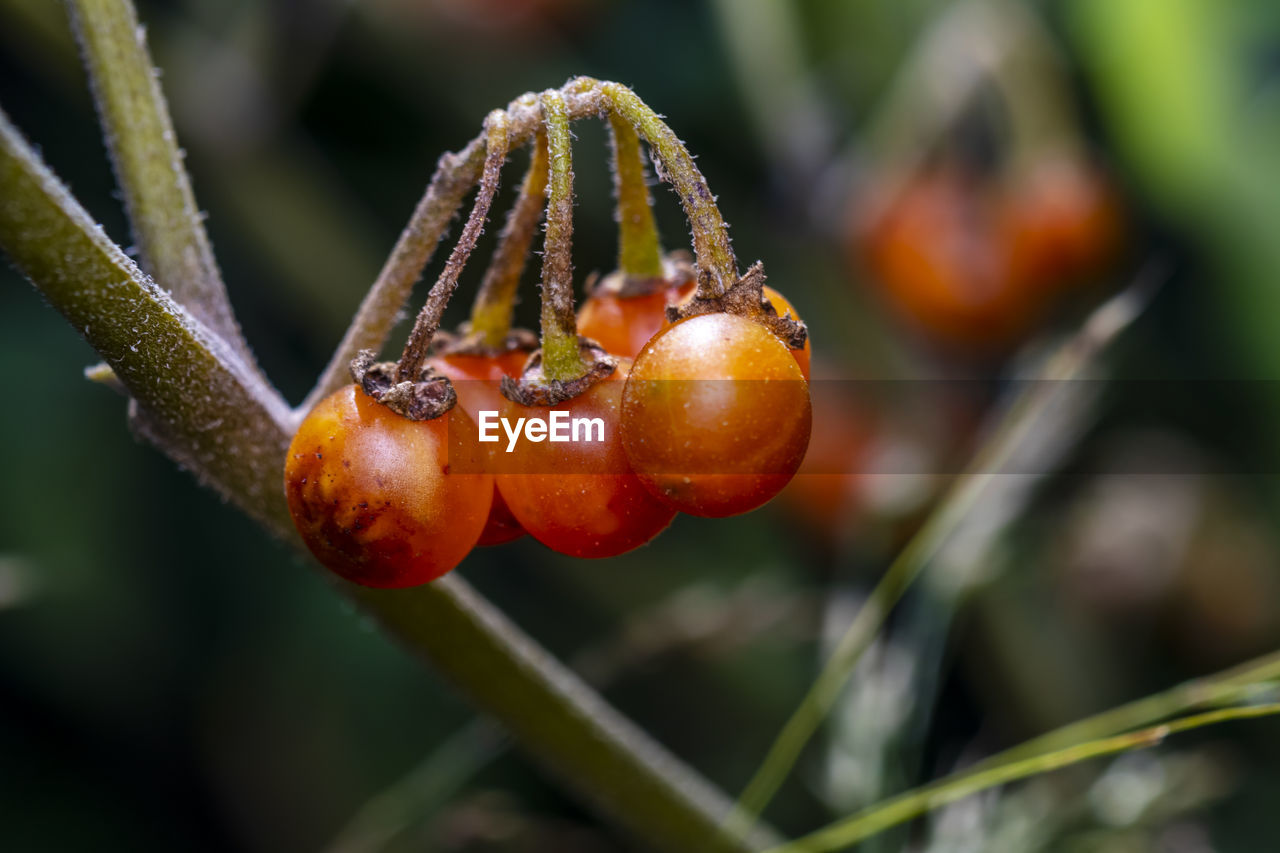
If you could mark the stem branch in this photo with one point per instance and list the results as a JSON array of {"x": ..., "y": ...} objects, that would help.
[
  {"x": 415, "y": 351},
  {"x": 492, "y": 313},
  {"x": 639, "y": 252},
  {"x": 717, "y": 268},
  {"x": 561, "y": 355},
  {"x": 173, "y": 246}
]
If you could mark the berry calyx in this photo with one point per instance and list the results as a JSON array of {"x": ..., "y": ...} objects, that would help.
[{"x": 715, "y": 415}]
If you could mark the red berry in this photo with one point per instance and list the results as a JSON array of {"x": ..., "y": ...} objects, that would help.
[
  {"x": 371, "y": 494},
  {"x": 476, "y": 379},
  {"x": 942, "y": 262},
  {"x": 624, "y": 324},
  {"x": 1066, "y": 222},
  {"x": 580, "y": 497},
  {"x": 715, "y": 415}
]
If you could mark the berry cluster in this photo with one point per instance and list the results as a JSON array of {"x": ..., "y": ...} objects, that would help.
[
  {"x": 695, "y": 376},
  {"x": 974, "y": 260}
]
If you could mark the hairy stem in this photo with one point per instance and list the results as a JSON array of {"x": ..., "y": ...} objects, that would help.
[
  {"x": 211, "y": 415},
  {"x": 639, "y": 252},
  {"x": 717, "y": 268},
  {"x": 900, "y": 809},
  {"x": 455, "y": 174},
  {"x": 191, "y": 392},
  {"x": 415, "y": 351},
  {"x": 561, "y": 356},
  {"x": 172, "y": 244},
  {"x": 492, "y": 313},
  {"x": 1022, "y": 421}
]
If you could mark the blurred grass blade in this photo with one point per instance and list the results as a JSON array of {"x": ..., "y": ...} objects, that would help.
[
  {"x": 1021, "y": 423},
  {"x": 167, "y": 226},
  {"x": 912, "y": 804}
]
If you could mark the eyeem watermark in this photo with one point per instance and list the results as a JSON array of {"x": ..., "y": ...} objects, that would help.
[{"x": 561, "y": 426}]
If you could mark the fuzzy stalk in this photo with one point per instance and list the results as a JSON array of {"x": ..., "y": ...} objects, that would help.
[
  {"x": 717, "y": 267},
  {"x": 561, "y": 355},
  {"x": 167, "y": 226},
  {"x": 415, "y": 350},
  {"x": 639, "y": 251},
  {"x": 492, "y": 313}
]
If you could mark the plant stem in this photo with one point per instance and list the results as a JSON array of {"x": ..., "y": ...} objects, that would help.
[
  {"x": 492, "y": 313},
  {"x": 172, "y": 243},
  {"x": 639, "y": 252},
  {"x": 213, "y": 417},
  {"x": 717, "y": 268},
  {"x": 219, "y": 418},
  {"x": 561, "y": 355},
  {"x": 455, "y": 174},
  {"x": 415, "y": 350},
  {"x": 1020, "y": 422},
  {"x": 900, "y": 809}
]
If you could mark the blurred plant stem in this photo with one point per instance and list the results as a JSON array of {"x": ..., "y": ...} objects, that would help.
[
  {"x": 912, "y": 804},
  {"x": 1021, "y": 423},
  {"x": 698, "y": 619}
]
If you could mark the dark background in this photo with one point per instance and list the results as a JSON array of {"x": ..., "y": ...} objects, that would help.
[{"x": 169, "y": 676}]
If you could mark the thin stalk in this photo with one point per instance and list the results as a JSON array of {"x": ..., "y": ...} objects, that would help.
[
  {"x": 455, "y": 174},
  {"x": 166, "y": 224},
  {"x": 561, "y": 355},
  {"x": 415, "y": 350},
  {"x": 1237, "y": 684},
  {"x": 1019, "y": 423},
  {"x": 639, "y": 252},
  {"x": 904, "y": 807},
  {"x": 718, "y": 270},
  {"x": 213, "y": 419},
  {"x": 492, "y": 313}
]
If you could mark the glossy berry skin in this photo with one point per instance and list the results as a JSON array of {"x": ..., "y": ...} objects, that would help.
[
  {"x": 371, "y": 494},
  {"x": 476, "y": 380},
  {"x": 716, "y": 415},
  {"x": 581, "y": 498},
  {"x": 624, "y": 324},
  {"x": 783, "y": 308}
]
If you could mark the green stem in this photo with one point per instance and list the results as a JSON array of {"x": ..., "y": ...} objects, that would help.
[
  {"x": 639, "y": 252},
  {"x": 212, "y": 413},
  {"x": 173, "y": 246},
  {"x": 900, "y": 809},
  {"x": 492, "y": 314},
  {"x": 561, "y": 355},
  {"x": 1020, "y": 422},
  {"x": 717, "y": 268},
  {"x": 415, "y": 350},
  {"x": 211, "y": 416}
]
